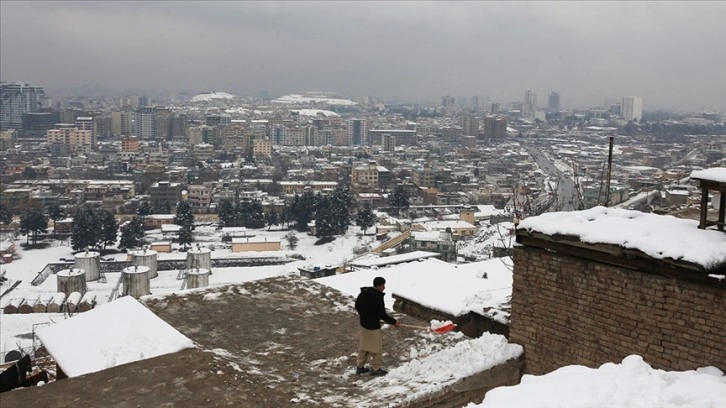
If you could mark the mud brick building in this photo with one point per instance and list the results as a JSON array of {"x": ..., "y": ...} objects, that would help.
[{"x": 589, "y": 303}]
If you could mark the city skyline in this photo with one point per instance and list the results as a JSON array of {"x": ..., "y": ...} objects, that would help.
[{"x": 417, "y": 52}]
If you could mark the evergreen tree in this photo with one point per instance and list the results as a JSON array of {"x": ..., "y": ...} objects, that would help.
[
  {"x": 225, "y": 212},
  {"x": 6, "y": 215},
  {"x": 184, "y": 214},
  {"x": 86, "y": 231},
  {"x": 131, "y": 234},
  {"x": 33, "y": 222},
  {"x": 303, "y": 209},
  {"x": 342, "y": 202},
  {"x": 325, "y": 222},
  {"x": 399, "y": 199},
  {"x": 365, "y": 218},
  {"x": 144, "y": 210},
  {"x": 271, "y": 218},
  {"x": 109, "y": 228},
  {"x": 251, "y": 213},
  {"x": 185, "y": 235},
  {"x": 56, "y": 213}
]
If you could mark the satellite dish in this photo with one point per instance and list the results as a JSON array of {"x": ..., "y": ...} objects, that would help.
[{"x": 13, "y": 355}]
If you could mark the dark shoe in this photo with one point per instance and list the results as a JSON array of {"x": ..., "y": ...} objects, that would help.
[
  {"x": 379, "y": 372},
  {"x": 362, "y": 370}
]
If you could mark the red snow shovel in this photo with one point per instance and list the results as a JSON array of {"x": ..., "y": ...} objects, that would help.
[{"x": 444, "y": 328}]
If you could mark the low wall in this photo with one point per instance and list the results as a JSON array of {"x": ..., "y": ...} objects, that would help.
[
  {"x": 473, "y": 389},
  {"x": 471, "y": 324}
]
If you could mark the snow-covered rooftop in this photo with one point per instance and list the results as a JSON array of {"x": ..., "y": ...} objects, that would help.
[
  {"x": 450, "y": 288},
  {"x": 717, "y": 174},
  {"x": 659, "y": 236},
  {"x": 116, "y": 333},
  {"x": 368, "y": 262},
  {"x": 301, "y": 99}
]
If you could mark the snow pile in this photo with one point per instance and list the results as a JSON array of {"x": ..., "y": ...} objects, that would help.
[
  {"x": 659, "y": 236},
  {"x": 116, "y": 333},
  {"x": 206, "y": 97},
  {"x": 453, "y": 289},
  {"x": 438, "y": 370},
  {"x": 633, "y": 383}
]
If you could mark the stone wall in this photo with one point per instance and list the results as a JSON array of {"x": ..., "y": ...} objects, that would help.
[{"x": 571, "y": 310}]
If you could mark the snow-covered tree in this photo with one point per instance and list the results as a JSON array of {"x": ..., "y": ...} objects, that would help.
[
  {"x": 184, "y": 214},
  {"x": 365, "y": 218},
  {"x": 131, "y": 234},
  {"x": 86, "y": 231},
  {"x": 185, "y": 235},
  {"x": 33, "y": 222},
  {"x": 325, "y": 223},
  {"x": 109, "y": 228}
]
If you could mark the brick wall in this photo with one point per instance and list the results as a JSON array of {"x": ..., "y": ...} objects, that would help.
[{"x": 570, "y": 310}]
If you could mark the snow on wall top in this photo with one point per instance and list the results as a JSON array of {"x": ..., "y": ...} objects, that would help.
[
  {"x": 659, "y": 236},
  {"x": 116, "y": 333},
  {"x": 717, "y": 174}
]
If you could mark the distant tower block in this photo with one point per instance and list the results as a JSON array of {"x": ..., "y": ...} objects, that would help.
[
  {"x": 136, "y": 281},
  {"x": 200, "y": 258},
  {"x": 198, "y": 278},
  {"x": 91, "y": 263},
  {"x": 146, "y": 257},
  {"x": 71, "y": 280}
]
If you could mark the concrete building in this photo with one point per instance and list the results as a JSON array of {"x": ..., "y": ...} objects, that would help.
[
  {"x": 364, "y": 178},
  {"x": 77, "y": 140},
  {"x": 145, "y": 124},
  {"x": 357, "y": 134},
  {"x": 470, "y": 125},
  {"x": 164, "y": 192},
  {"x": 553, "y": 103},
  {"x": 19, "y": 98},
  {"x": 495, "y": 127},
  {"x": 529, "y": 107},
  {"x": 631, "y": 108},
  {"x": 403, "y": 137}
]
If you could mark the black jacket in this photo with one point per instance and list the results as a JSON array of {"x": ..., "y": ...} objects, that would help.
[{"x": 371, "y": 308}]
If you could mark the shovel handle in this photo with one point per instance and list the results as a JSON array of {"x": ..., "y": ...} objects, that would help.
[{"x": 412, "y": 326}]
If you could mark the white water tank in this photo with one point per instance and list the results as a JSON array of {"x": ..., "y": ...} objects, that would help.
[
  {"x": 136, "y": 281},
  {"x": 71, "y": 280},
  {"x": 199, "y": 258},
  {"x": 198, "y": 278},
  {"x": 146, "y": 257},
  {"x": 90, "y": 262}
]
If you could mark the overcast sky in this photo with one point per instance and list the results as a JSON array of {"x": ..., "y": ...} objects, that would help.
[{"x": 671, "y": 53}]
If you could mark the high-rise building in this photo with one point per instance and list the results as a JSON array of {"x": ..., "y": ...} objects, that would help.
[
  {"x": 496, "y": 108},
  {"x": 553, "y": 103},
  {"x": 631, "y": 108},
  {"x": 470, "y": 125},
  {"x": 388, "y": 142},
  {"x": 495, "y": 127},
  {"x": 145, "y": 123},
  {"x": 530, "y": 103},
  {"x": 357, "y": 132},
  {"x": 475, "y": 103},
  {"x": 448, "y": 101},
  {"x": 17, "y": 98}
]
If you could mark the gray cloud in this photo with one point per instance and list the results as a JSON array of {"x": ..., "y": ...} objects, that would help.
[{"x": 671, "y": 53}]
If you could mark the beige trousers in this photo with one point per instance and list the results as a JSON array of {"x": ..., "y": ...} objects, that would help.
[{"x": 371, "y": 345}]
